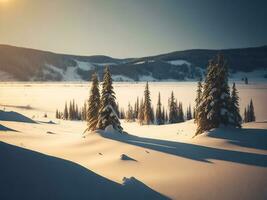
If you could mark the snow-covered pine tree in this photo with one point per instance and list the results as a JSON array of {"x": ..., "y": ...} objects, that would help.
[
  {"x": 66, "y": 113},
  {"x": 235, "y": 112},
  {"x": 198, "y": 99},
  {"x": 214, "y": 108},
  {"x": 141, "y": 112},
  {"x": 148, "y": 113},
  {"x": 93, "y": 104},
  {"x": 173, "y": 117},
  {"x": 159, "y": 118},
  {"x": 107, "y": 114}
]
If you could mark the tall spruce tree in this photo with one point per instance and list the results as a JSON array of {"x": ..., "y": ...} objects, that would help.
[
  {"x": 214, "y": 108},
  {"x": 107, "y": 113},
  {"x": 234, "y": 108},
  {"x": 159, "y": 116},
  {"x": 93, "y": 104},
  {"x": 148, "y": 113}
]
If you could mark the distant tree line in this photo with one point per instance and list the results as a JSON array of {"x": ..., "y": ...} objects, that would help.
[
  {"x": 72, "y": 112},
  {"x": 216, "y": 105},
  {"x": 249, "y": 114},
  {"x": 145, "y": 114}
]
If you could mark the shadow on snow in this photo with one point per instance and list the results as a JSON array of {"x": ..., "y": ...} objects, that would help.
[
  {"x": 192, "y": 151},
  {"x": 30, "y": 175}
]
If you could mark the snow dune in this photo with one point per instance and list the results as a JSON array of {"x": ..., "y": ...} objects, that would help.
[
  {"x": 27, "y": 174},
  {"x": 222, "y": 164}
]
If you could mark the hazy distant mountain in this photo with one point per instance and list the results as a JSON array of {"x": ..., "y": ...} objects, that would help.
[{"x": 24, "y": 64}]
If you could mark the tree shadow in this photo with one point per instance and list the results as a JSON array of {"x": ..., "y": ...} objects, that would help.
[
  {"x": 251, "y": 138},
  {"x": 14, "y": 117},
  {"x": 4, "y": 128},
  {"x": 30, "y": 175},
  {"x": 190, "y": 151}
]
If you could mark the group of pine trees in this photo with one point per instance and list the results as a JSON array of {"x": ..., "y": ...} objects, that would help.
[
  {"x": 215, "y": 105},
  {"x": 72, "y": 112},
  {"x": 102, "y": 109},
  {"x": 249, "y": 114},
  {"x": 144, "y": 113}
]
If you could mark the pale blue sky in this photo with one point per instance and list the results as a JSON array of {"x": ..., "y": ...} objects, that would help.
[{"x": 131, "y": 28}]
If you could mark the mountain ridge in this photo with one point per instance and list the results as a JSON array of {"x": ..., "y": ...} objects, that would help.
[{"x": 27, "y": 64}]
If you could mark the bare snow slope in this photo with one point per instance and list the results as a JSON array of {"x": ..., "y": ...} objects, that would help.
[{"x": 223, "y": 164}]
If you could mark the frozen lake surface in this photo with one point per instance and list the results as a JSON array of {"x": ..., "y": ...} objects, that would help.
[{"x": 47, "y": 97}]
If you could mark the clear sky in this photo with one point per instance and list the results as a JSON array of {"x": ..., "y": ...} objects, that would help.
[{"x": 131, "y": 28}]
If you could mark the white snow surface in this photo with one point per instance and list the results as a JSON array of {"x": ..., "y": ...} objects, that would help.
[
  {"x": 122, "y": 78},
  {"x": 256, "y": 76},
  {"x": 229, "y": 163},
  {"x": 179, "y": 62},
  {"x": 146, "y": 78},
  {"x": 86, "y": 66}
]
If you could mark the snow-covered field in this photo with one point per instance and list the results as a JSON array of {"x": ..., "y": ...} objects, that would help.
[
  {"x": 47, "y": 97},
  {"x": 51, "y": 159}
]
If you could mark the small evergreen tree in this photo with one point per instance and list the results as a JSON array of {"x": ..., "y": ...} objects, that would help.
[
  {"x": 130, "y": 114},
  {"x": 173, "y": 114},
  {"x": 148, "y": 113},
  {"x": 198, "y": 100},
  {"x": 70, "y": 111},
  {"x": 189, "y": 113},
  {"x": 84, "y": 111},
  {"x": 66, "y": 113},
  {"x": 163, "y": 115},
  {"x": 107, "y": 114},
  {"x": 93, "y": 104},
  {"x": 159, "y": 116},
  {"x": 180, "y": 112},
  {"x": 252, "y": 117},
  {"x": 236, "y": 118},
  {"x": 245, "y": 116},
  {"x": 141, "y": 113}
]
